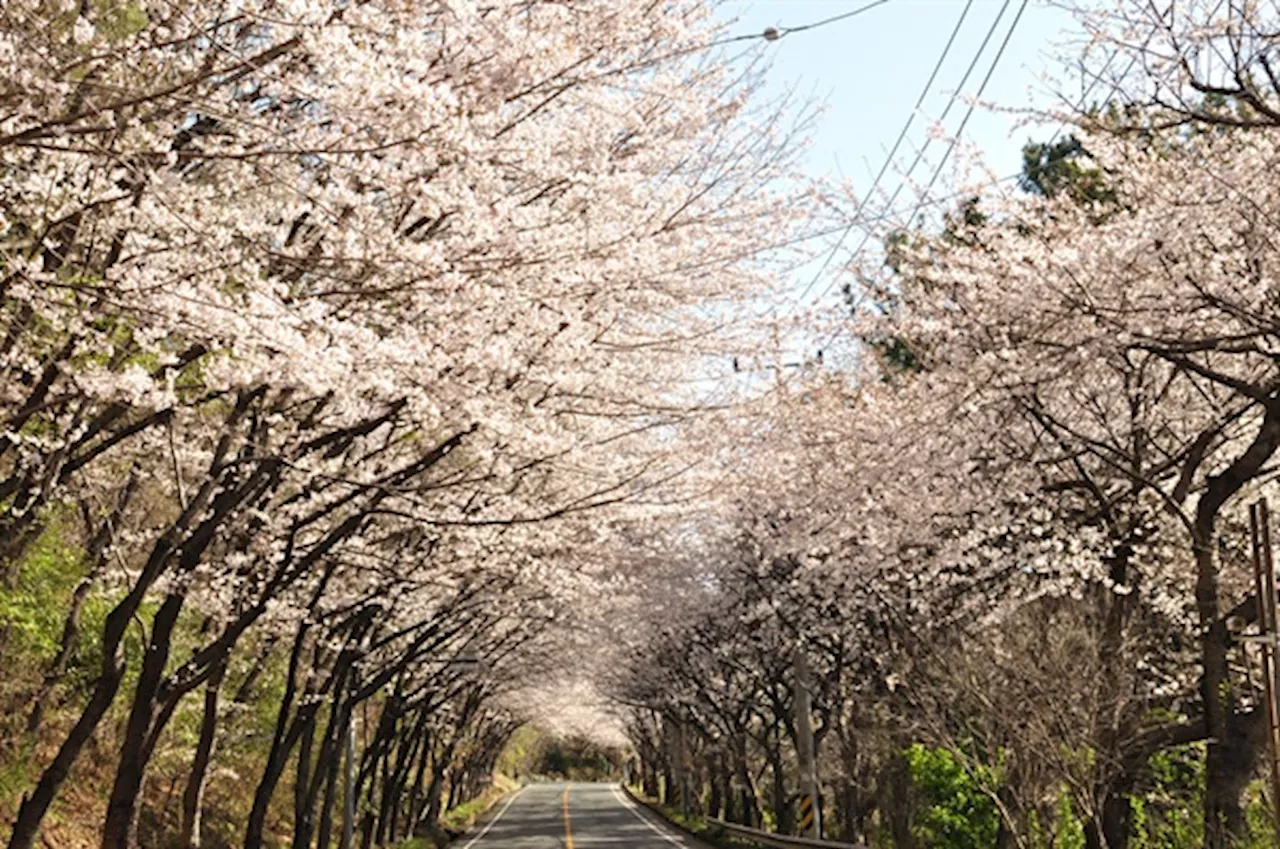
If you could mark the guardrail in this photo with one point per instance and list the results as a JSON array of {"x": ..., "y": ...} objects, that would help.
[{"x": 783, "y": 840}]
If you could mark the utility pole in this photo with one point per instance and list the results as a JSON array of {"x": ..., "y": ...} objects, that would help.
[
  {"x": 675, "y": 761},
  {"x": 1265, "y": 592},
  {"x": 685, "y": 766},
  {"x": 349, "y": 775},
  {"x": 348, "y": 782},
  {"x": 810, "y": 815},
  {"x": 677, "y": 790}
]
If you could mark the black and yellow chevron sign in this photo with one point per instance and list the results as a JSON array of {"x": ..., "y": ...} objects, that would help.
[{"x": 806, "y": 813}]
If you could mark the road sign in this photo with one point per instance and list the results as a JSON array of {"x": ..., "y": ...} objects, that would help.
[{"x": 807, "y": 814}]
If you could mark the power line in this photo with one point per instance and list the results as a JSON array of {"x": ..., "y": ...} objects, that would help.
[
  {"x": 925, "y": 201},
  {"x": 893, "y": 152},
  {"x": 955, "y": 96},
  {"x": 1084, "y": 98},
  {"x": 775, "y": 33},
  {"x": 972, "y": 106},
  {"x": 955, "y": 139},
  {"x": 825, "y": 21}
]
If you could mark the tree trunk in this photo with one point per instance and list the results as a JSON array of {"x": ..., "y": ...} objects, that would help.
[
  {"x": 649, "y": 781},
  {"x": 435, "y": 794},
  {"x": 715, "y": 803},
  {"x": 1231, "y": 750},
  {"x": 324, "y": 837},
  {"x": 193, "y": 798},
  {"x": 34, "y": 808},
  {"x": 27, "y": 824},
  {"x": 122, "y": 806},
  {"x": 1117, "y": 820},
  {"x": 1224, "y": 820},
  {"x": 781, "y": 805},
  {"x": 70, "y": 635},
  {"x": 416, "y": 799},
  {"x": 302, "y": 808},
  {"x": 752, "y": 816},
  {"x": 96, "y": 557},
  {"x": 325, "y": 765},
  {"x": 898, "y": 809},
  {"x": 280, "y": 747}
]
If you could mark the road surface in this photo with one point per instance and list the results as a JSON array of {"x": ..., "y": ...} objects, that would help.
[{"x": 574, "y": 816}]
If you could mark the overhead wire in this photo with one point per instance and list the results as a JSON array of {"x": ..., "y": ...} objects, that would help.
[
  {"x": 1097, "y": 79},
  {"x": 893, "y": 152},
  {"x": 955, "y": 139},
  {"x": 831, "y": 20},
  {"x": 919, "y": 154},
  {"x": 995, "y": 24},
  {"x": 926, "y": 202},
  {"x": 1004, "y": 44},
  {"x": 778, "y": 32}
]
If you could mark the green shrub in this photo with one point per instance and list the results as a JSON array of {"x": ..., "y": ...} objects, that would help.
[
  {"x": 33, "y": 610},
  {"x": 1068, "y": 832},
  {"x": 958, "y": 812},
  {"x": 1170, "y": 814}
]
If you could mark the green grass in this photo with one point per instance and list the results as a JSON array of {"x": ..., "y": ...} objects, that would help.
[{"x": 461, "y": 817}]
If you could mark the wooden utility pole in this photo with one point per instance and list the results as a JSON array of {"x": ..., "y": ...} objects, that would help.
[
  {"x": 810, "y": 815},
  {"x": 349, "y": 773},
  {"x": 1264, "y": 582},
  {"x": 673, "y": 791},
  {"x": 349, "y": 785},
  {"x": 686, "y": 766}
]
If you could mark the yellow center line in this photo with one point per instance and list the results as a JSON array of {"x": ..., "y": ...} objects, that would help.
[{"x": 568, "y": 831}]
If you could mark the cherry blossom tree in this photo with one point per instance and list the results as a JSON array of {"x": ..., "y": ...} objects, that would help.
[
  {"x": 306, "y": 290},
  {"x": 1141, "y": 372}
]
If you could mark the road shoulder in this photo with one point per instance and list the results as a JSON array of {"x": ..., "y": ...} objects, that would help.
[{"x": 653, "y": 815}]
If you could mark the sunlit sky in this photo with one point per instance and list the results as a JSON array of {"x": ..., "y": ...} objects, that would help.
[{"x": 869, "y": 71}]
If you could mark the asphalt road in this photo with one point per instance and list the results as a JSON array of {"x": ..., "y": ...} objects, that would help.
[{"x": 574, "y": 816}]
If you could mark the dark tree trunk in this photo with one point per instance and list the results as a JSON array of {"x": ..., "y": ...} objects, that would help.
[
  {"x": 1232, "y": 751},
  {"x": 898, "y": 809},
  {"x": 122, "y": 807},
  {"x": 302, "y": 808},
  {"x": 70, "y": 634},
  {"x": 781, "y": 804},
  {"x": 193, "y": 798},
  {"x": 649, "y": 783},
  {"x": 1117, "y": 821},
  {"x": 27, "y": 824},
  {"x": 325, "y": 833},
  {"x": 383, "y": 832},
  {"x": 749, "y": 802},
  {"x": 435, "y": 793},
  {"x": 416, "y": 800},
  {"x": 96, "y": 557},
  {"x": 715, "y": 803},
  {"x": 34, "y": 808},
  {"x": 280, "y": 746}
]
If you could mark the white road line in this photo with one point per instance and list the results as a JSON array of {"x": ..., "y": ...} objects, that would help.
[
  {"x": 490, "y": 823},
  {"x": 635, "y": 809}
]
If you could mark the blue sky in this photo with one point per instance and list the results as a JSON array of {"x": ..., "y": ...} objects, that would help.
[{"x": 869, "y": 70}]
